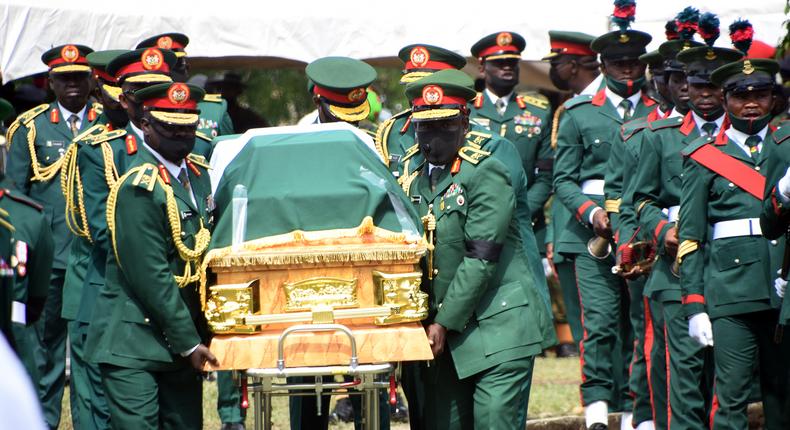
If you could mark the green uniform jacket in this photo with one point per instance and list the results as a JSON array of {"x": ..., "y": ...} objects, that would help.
[
  {"x": 52, "y": 138},
  {"x": 587, "y": 130},
  {"x": 32, "y": 228},
  {"x": 739, "y": 274},
  {"x": 775, "y": 217},
  {"x": 143, "y": 320},
  {"x": 483, "y": 288},
  {"x": 214, "y": 118},
  {"x": 657, "y": 188},
  {"x": 527, "y": 123}
]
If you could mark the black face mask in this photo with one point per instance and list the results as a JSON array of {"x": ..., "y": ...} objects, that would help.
[
  {"x": 173, "y": 149},
  {"x": 118, "y": 117},
  {"x": 707, "y": 116},
  {"x": 749, "y": 125},
  {"x": 561, "y": 84},
  {"x": 440, "y": 147}
]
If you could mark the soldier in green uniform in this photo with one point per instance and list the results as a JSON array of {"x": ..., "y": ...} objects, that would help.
[
  {"x": 38, "y": 140},
  {"x": 726, "y": 266},
  {"x": 214, "y": 118},
  {"x": 586, "y": 133},
  {"x": 650, "y": 399},
  {"x": 148, "y": 334},
  {"x": 484, "y": 310},
  {"x": 6, "y": 280},
  {"x": 573, "y": 67},
  {"x": 525, "y": 119},
  {"x": 656, "y": 195}
]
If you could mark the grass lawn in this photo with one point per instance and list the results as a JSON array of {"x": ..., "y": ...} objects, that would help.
[{"x": 555, "y": 392}]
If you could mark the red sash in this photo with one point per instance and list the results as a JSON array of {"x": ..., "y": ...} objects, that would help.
[{"x": 729, "y": 167}]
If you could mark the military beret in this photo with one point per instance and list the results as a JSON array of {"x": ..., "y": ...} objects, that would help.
[
  {"x": 569, "y": 43},
  {"x": 342, "y": 83},
  {"x": 175, "y": 42},
  {"x": 172, "y": 103},
  {"x": 67, "y": 58},
  {"x": 144, "y": 65},
  {"x": 746, "y": 75},
  {"x": 6, "y": 109},
  {"x": 497, "y": 46},
  {"x": 703, "y": 60},
  {"x": 441, "y": 95},
  {"x": 420, "y": 60}
]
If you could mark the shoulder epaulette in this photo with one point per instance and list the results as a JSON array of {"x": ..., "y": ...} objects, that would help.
[
  {"x": 577, "y": 101},
  {"x": 199, "y": 160},
  {"x": 27, "y": 116},
  {"x": 696, "y": 144},
  {"x": 104, "y": 137},
  {"x": 21, "y": 198},
  {"x": 476, "y": 138},
  {"x": 144, "y": 176},
  {"x": 478, "y": 101},
  {"x": 95, "y": 130},
  {"x": 98, "y": 108},
  {"x": 400, "y": 114},
  {"x": 203, "y": 136},
  {"x": 536, "y": 99},
  {"x": 472, "y": 154},
  {"x": 782, "y": 132},
  {"x": 414, "y": 149},
  {"x": 666, "y": 123},
  {"x": 213, "y": 98},
  {"x": 629, "y": 129}
]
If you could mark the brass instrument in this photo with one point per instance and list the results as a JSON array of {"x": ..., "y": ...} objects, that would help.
[
  {"x": 599, "y": 248},
  {"x": 429, "y": 224},
  {"x": 642, "y": 255}
]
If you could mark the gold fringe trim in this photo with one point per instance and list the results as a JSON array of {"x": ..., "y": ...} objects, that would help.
[
  {"x": 110, "y": 171},
  {"x": 71, "y": 186},
  {"x": 555, "y": 126},
  {"x": 612, "y": 205},
  {"x": 381, "y": 139},
  {"x": 686, "y": 248}
]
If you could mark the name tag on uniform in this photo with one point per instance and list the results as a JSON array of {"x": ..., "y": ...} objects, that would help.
[
  {"x": 55, "y": 143},
  {"x": 416, "y": 199},
  {"x": 186, "y": 214}
]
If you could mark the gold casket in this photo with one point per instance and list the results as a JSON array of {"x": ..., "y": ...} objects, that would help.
[{"x": 365, "y": 278}]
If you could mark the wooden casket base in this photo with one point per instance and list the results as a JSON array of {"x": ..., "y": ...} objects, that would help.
[{"x": 375, "y": 344}]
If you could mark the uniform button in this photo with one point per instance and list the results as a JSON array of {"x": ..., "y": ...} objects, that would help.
[
  {"x": 737, "y": 260},
  {"x": 773, "y": 242},
  {"x": 597, "y": 140},
  {"x": 757, "y": 168},
  {"x": 146, "y": 320},
  {"x": 183, "y": 233},
  {"x": 440, "y": 305},
  {"x": 730, "y": 185},
  {"x": 504, "y": 304}
]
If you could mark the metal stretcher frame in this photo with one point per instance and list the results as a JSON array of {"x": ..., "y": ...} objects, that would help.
[{"x": 264, "y": 387}]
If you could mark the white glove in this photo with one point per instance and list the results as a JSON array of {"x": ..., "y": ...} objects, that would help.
[
  {"x": 700, "y": 329},
  {"x": 784, "y": 187},
  {"x": 780, "y": 285}
]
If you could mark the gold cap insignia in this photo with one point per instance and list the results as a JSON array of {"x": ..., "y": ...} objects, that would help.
[
  {"x": 504, "y": 38},
  {"x": 710, "y": 55},
  {"x": 164, "y": 42},
  {"x": 624, "y": 38},
  {"x": 152, "y": 59},
  {"x": 748, "y": 69},
  {"x": 357, "y": 94},
  {"x": 419, "y": 56},
  {"x": 432, "y": 94},
  {"x": 178, "y": 93},
  {"x": 70, "y": 53}
]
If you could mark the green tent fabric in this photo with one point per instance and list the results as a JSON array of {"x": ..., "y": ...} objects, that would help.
[{"x": 311, "y": 181}]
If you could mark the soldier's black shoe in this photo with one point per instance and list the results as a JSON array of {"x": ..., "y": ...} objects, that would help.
[
  {"x": 598, "y": 426},
  {"x": 232, "y": 426},
  {"x": 399, "y": 413},
  {"x": 344, "y": 411}
]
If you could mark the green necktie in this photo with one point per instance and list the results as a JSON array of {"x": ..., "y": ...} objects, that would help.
[
  {"x": 753, "y": 143},
  {"x": 626, "y": 105},
  {"x": 709, "y": 128}
]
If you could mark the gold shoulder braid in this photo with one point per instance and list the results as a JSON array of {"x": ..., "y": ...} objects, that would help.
[
  {"x": 555, "y": 125},
  {"x": 71, "y": 185},
  {"x": 24, "y": 119},
  {"x": 406, "y": 179},
  {"x": 147, "y": 177},
  {"x": 110, "y": 171},
  {"x": 380, "y": 140}
]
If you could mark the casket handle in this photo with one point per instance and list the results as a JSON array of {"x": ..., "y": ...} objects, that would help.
[{"x": 315, "y": 328}]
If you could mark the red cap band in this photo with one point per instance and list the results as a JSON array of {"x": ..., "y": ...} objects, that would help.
[
  {"x": 359, "y": 95},
  {"x": 571, "y": 48},
  {"x": 433, "y": 65},
  {"x": 99, "y": 73},
  {"x": 59, "y": 60},
  {"x": 446, "y": 100},
  {"x": 497, "y": 49}
]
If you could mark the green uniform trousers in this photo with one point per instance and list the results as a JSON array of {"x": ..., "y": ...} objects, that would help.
[
  {"x": 28, "y": 347},
  {"x": 229, "y": 399},
  {"x": 690, "y": 372},
  {"x": 150, "y": 400},
  {"x": 570, "y": 296},
  {"x": 658, "y": 369},
  {"x": 607, "y": 345},
  {"x": 88, "y": 401},
  {"x": 52, "y": 375},
  {"x": 741, "y": 342},
  {"x": 637, "y": 382},
  {"x": 491, "y": 399}
]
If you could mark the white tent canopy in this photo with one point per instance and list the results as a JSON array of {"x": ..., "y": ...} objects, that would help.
[{"x": 272, "y": 34}]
